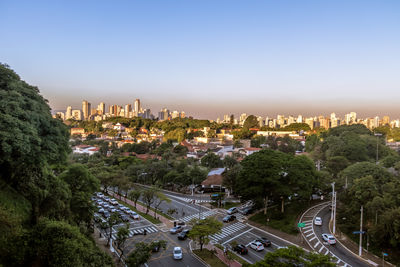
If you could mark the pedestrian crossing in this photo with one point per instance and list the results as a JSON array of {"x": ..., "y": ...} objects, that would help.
[
  {"x": 196, "y": 215},
  {"x": 228, "y": 231},
  {"x": 191, "y": 200},
  {"x": 317, "y": 245},
  {"x": 137, "y": 231}
]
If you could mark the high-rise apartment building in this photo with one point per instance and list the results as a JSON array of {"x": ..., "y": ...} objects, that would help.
[
  {"x": 183, "y": 114},
  {"x": 86, "y": 108},
  {"x": 385, "y": 120},
  {"x": 101, "y": 108},
  {"x": 128, "y": 110},
  {"x": 77, "y": 114},
  {"x": 68, "y": 113},
  {"x": 137, "y": 107}
]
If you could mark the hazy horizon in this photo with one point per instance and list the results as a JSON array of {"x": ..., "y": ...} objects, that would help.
[{"x": 210, "y": 58}]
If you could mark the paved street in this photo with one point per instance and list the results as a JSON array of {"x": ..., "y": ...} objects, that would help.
[{"x": 164, "y": 257}]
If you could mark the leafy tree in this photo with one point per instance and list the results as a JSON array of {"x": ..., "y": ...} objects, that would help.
[
  {"x": 230, "y": 177},
  {"x": 148, "y": 198},
  {"x": 59, "y": 244},
  {"x": 202, "y": 229},
  {"x": 82, "y": 186},
  {"x": 251, "y": 122},
  {"x": 180, "y": 150},
  {"x": 159, "y": 198},
  {"x": 311, "y": 142},
  {"x": 362, "y": 169},
  {"x": 294, "y": 256},
  {"x": 258, "y": 140},
  {"x": 390, "y": 161},
  {"x": 211, "y": 161},
  {"x": 261, "y": 175},
  {"x": 122, "y": 236},
  {"x": 337, "y": 164},
  {"x": 229, "y": 162},
  {"x": 140, "y": 255},
  {"x": 135, "y": 195},
  {"x": 111, "y": 221}
]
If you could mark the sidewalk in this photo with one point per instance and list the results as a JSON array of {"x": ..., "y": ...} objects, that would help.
[{"x": 141, "y": 208}]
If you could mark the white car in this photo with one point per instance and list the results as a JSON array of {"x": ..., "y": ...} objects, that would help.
[
  {"x": 114, "y": 202},
  {"x": 134, "y": 215},
  {"x": 257, "y": 246},
  {"x": 318, "y": 221},
  {"x": 232, "y": 210},
  {"x": 178, "y": 254},
  {"x": 329, "y": 238}
]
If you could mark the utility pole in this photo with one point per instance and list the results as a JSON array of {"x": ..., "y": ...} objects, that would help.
[
  {"x": 361, "y": 225},
  {"x": 334, "y": 214},
  {"x": 333, "y": 209}
]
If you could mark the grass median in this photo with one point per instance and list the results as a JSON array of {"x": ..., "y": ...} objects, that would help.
[
  {"x": 209, "y": 257},
  {"x": 285, "y": 222}
]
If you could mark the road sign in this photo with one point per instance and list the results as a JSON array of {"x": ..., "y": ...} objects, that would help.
[
  {"x": 301, "y": 225},
  {"x": 358, "y": 232}
]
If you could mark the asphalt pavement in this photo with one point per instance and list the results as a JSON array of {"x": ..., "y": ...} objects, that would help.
[{"x": 336, "y": 249}]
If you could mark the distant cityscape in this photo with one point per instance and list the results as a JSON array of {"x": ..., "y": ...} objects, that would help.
[{"x": 88, "y": 113}]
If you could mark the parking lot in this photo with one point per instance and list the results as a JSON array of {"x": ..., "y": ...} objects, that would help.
[{"x": 137, "y": 224}]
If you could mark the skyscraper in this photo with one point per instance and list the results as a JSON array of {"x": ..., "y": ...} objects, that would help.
[
  {"x": 68, "y": 113},
  {"x": 86, "y": 107},
  {"x": 101, "y": 108},
  {"x": 128, "y": 110},
  {"x": 137, "y": 107}
]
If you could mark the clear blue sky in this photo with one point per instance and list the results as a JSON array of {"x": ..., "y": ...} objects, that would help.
[{"x": 209, "y": 57}]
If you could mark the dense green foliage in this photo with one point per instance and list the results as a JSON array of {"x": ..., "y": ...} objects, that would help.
[
  {"x": 273, "y": 175},
  {"x": 45, "y": 206}
]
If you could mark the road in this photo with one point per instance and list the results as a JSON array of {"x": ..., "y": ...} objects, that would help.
[
  {"x": 164, "y": 257},
  {"x": 337, "y": 249},
  {"x": 313, "y": 236}
]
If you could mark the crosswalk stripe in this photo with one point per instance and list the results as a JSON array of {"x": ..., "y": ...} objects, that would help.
[
  {"x": 326, "y": 253},
  {"x": 322, "y": 247},
  {"x": 309, "y": 235},
  {"x": 316, "y": 245},
  {"x": 312, "y": 238},
  {"x": 308, "y": 231}
]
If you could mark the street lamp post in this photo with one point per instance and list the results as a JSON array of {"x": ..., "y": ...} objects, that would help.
[{"x": 361, "y": 231}]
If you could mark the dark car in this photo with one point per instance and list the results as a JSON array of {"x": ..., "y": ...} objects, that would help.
[
  {"x": 125, "y": 218},
  {"x": 183, "y": 235},
  {"x": 229, "y": 218},
  {"x": 247, "y": 211},
  {"x": 264, "y": 241},
  {"x": 241, "y": 249}
]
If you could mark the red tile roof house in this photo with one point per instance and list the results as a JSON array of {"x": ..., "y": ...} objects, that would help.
[{"x": 214, "y": 180}]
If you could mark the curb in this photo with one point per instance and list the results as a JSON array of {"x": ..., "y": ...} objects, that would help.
[{"x": 197, "y": 257}]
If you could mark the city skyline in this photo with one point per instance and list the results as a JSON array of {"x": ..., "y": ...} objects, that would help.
[{"x": 208, "y": 57}]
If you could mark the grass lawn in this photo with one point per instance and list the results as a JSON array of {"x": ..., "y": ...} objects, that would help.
[
  {"x": 209, "y": 257},
  {"x": 285, "y": 222}
]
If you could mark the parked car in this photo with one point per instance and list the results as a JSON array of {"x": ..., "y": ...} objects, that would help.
[
  {"x": 125, "y": 218},
  {"x": 247, "y": 210},
  {"x": 329, "y": 238},
  {"x": 229, "y": 218},
  {"x": 106, "y": 214},
  {"x": 113, "y": 210},
  {"x": 178, "y": 254},
  {"x": 134, "y": 215},
  {"x": 318, "y": 221},
  {"x": 257, "y": 246},
  {"x": 183, "y": 235},
  {"x": 114, "y": 202},
  {"x": 232, "y": 210},
  {"x": 264, "y": 241},
  {"x": 241, "y": 249},
  {"x": 176, "y": 229}
]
